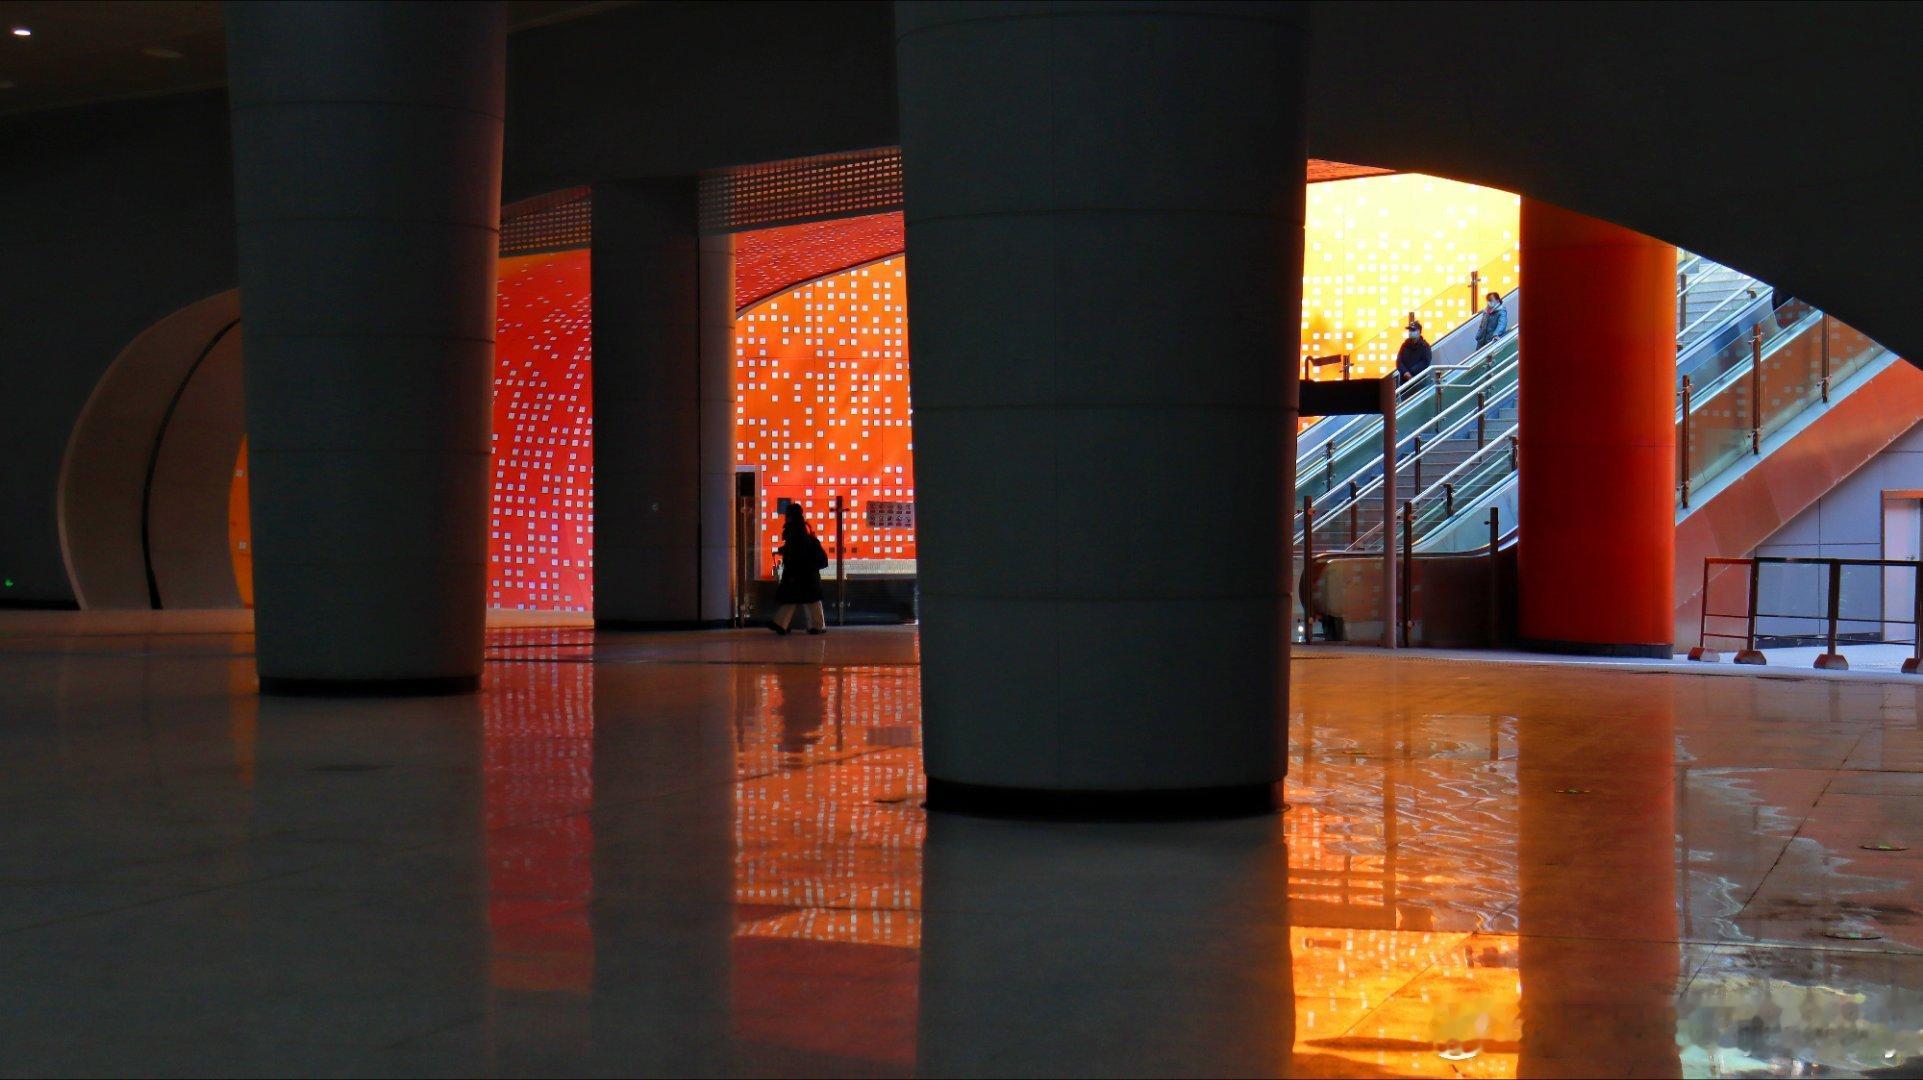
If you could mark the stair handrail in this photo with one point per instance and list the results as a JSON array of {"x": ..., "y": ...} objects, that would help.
[
  {"x": 1412, "y": 389},
  {"x": 1453, "y": 479},
  {"x": 1360, "y": 490},
  {"x": 1746, "y": 293}
]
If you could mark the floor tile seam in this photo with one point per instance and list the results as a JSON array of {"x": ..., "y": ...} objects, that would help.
[
  {"x": 1802, "y": 821},
  {"x": 1388, "y": 997},
  {"x": 1910, "y": 951},
  {"x": 185, "y": 893},
  {"x": 466, "y": 1021}
]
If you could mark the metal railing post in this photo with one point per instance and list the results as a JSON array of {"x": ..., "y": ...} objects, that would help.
[
  {"x": 1915, "y": 662},
  {"x": 1495, "y": 577},
  {"x": 1328, "y": 461},
  {"x": 1408, "y": 568},
  {"x": 1515, "y": 454},
  {"x": 1475, "y": 291},
  {"x": 1415, "y": 465},
  {"x": 1345, "y": 367},
  {"x": 1749, "y": 653},
  {"x": 1448, "y": 499},
  {"x": 1308, "y": 563},
  {"x": 1355, "y": 505},
  {"x": 1682, "y": 440},
  {"x": 1682, "y": 301},
  {"x": 1436, "y": 417},
  {"x": 841, "y": 562},
  {"x": 1756, "y": 391},
  {"x": 1831, "y": 660},
  {"x": 1824, "y": 324},
  {"x": 1702, "y": 651},
  {"x": 1386, "y": 402},
  {"x": 1482, "y": 418}
]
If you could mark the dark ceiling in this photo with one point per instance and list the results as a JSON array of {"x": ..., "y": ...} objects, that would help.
[{"x": 86, "y": 50}]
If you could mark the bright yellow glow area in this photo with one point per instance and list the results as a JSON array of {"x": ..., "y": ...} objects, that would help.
[{"x": 1379, "y": 247}]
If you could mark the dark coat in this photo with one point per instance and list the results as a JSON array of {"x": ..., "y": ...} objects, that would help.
[
  {"x": 1413, "y": 358},
  {"x": 802, "y": 560}
]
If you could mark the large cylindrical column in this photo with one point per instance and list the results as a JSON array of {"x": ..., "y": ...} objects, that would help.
[
  {"x": 1104, "y": 209},
  {"x": 661, "y": 389},
  {"x": 367, "y": 165},
  {"x": 1598, "y": 436}
]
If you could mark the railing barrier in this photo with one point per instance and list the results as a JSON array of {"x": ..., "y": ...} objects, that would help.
[{"x": 1831, "y": 618}]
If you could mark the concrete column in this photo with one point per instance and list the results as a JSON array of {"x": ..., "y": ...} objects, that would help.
[
  {"x": 367, "y": 164},
  {"x": 1598, "y": 437},
  {"x": 716, "y": 566},
  {"x": 1105, "y": 222},
  {"x": 662, "y": 425}
]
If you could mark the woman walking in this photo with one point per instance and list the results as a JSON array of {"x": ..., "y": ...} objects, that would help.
[{"x": 802, "y": 561}]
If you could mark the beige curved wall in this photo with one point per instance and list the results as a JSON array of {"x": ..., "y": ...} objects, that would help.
[{"x": 169, "y": 405}]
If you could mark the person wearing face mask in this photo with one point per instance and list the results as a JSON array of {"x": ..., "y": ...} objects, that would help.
[
  {"x": 1495, "y": 321},
  {"x": 1413, "y": 358}
]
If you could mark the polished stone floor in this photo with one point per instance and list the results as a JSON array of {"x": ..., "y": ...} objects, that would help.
[{"x": 704, "y": 855}]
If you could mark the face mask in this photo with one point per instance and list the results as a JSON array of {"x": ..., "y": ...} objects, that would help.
[{"x": 1414, "y": 334}]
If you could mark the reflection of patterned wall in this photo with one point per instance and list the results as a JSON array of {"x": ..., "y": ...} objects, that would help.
[
  {"x": 541, "y": 513},
  {"x": 822, "y": 406}
]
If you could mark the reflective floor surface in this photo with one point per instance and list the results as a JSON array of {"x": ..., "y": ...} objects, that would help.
[{"x": 705, "y": 855}]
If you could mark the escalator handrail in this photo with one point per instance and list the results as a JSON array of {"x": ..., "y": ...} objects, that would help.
[
  {"x": 1470, "y": 465},
  {"x": 1366, "y": 488},
  {"x": 1702, "y": 396}
]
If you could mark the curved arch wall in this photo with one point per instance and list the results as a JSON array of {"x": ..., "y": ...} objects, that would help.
[{"x": 144, "y": 484}]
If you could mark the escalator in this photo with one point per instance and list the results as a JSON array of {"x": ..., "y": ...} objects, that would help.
[
  {"x": 1777, "y": 402},
  {"x": 1455, "y": 422}
]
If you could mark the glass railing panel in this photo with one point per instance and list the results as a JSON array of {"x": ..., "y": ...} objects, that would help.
[
  {"x": 1849, "y": 348},
  {"x": 1801, "y": 351},
  {"x": 1718, "y": 432},
  {"x": 1792, "y": 378}
]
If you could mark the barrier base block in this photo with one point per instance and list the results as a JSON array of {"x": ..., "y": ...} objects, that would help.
[
  {"x": 1707, "y": 656},
  {"x": 1751, "y": 656},
  {"x": 1830, "y": 661},
  {"x": 1912, "y": 665}
]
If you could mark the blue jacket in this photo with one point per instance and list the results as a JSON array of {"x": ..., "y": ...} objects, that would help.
[{"x": 1494, "y": 325}]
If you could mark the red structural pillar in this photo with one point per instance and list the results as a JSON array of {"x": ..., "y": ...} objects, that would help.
[{"x": 1598, "y": 436}]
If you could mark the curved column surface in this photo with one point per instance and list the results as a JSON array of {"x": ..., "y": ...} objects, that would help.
[
  {"x": 650, "y": 453},
  {"x": 1103, "y": 444},
  {"x": 1597, "y": 436},
  {"x": 367, "y": 163}
]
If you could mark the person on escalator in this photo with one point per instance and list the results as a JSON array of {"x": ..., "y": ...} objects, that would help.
[
  {"x": 1413, "y": 358},
  {"x": 1495, "y": 321}
]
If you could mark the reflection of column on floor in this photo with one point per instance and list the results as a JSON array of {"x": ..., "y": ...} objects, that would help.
[
  {"x": 828, "y": 874},
  {"x": 663, "y": 863},
  {"x": 538, "y": 786},
  {"x": 323, "y": 784},
  {"x": 1599, "y": 887},
  {"x": 1165, "y": 949}
]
